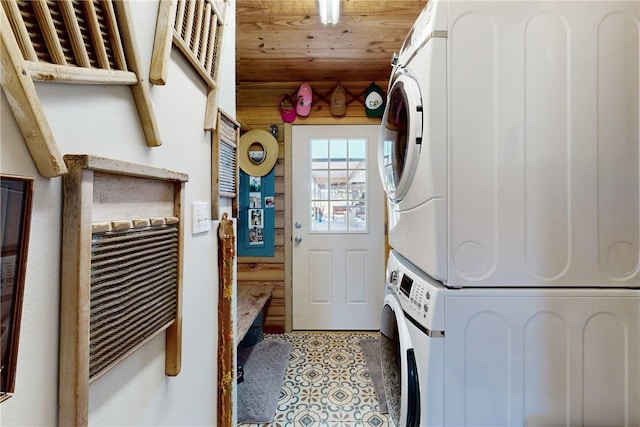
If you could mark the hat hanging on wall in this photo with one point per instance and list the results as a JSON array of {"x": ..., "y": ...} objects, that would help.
[
  {"x": 338, "y": 101},
  {"x": 258, "y": 152},
  {"x": 304, "y": 98},
  {"x": 287, "y": 109},
  {"x": 374, "y": 101}
]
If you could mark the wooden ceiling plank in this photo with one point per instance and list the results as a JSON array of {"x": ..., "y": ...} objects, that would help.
[
  {"x": 318, "y": 54},
  {"x": 43, "y": 14},
  {"x": 305, "y": 7},
  {"x": 75, "y": 34},
  {"x": 347, "y": 22},
  {"x": 283, "y": 40},
  {"x": 20, "y": 30},
  {"x": 25, "y": 105},
  {"x": 302, "y": 68},
  {"x": 282, "y": 45},
  {"x": 96, "y": 35}
]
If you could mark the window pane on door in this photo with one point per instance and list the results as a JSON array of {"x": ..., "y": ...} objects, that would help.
[{"x": 338, "y": 196}]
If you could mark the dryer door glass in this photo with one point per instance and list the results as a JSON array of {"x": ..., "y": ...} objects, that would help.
[{"x": 400, "y": 137}]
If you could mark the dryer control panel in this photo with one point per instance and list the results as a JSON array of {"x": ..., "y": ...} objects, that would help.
[{"x": 418, "y": 294}]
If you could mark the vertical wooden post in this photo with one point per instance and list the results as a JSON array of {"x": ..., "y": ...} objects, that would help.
[
  {"x": 75, "y": 297},
  {"x": 226, "y": 344},
  {"x": 173, "y": 340}
]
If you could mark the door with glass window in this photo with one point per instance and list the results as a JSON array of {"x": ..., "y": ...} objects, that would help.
[{"x": 338, "y": 228}]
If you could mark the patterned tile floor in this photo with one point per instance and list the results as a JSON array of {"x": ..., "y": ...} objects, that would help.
[{"x": 327, "y": 383}]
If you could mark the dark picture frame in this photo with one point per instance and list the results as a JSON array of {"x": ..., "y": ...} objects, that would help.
[{"x": 15, "y": 224}]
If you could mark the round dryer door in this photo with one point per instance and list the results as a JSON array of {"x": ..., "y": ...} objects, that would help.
[{"x": 400, "y": 137}]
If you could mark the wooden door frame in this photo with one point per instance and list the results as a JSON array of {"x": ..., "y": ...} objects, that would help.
[{"x": 288, "y": 205}]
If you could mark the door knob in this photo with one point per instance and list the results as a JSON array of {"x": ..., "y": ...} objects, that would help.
[
  {"x": 298, "y": 224},
  {"x": 297, "y": 239}
]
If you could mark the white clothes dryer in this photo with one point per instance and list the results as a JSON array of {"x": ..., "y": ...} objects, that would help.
[
  {"x": 412, "y": 152},
  {"x": 510, "y": 146}
]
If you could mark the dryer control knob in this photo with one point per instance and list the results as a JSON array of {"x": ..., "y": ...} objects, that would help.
[{"x": 393, "y": 277}]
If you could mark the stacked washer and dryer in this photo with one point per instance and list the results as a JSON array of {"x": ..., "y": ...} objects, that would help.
[{"x": 510, "y": 155}]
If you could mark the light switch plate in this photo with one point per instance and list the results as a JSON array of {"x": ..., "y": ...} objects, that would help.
[{"x": 200, "y": 217}]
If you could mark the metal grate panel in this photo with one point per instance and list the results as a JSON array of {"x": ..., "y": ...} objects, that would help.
[
  {"x": 133, "y": 291},
  {"x": 228, "y": 166}
]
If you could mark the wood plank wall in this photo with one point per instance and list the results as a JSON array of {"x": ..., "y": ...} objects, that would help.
[{"x": 258, "y": 108}]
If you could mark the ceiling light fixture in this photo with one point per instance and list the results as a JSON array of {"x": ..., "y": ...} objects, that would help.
[{"x": 329, "y": 11}]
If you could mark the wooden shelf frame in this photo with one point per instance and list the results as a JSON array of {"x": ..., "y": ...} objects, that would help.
[
  {"x": 43, "y": 41},
  {"x": 101, "y": 192},
  {"x": 196, "y": 27}
]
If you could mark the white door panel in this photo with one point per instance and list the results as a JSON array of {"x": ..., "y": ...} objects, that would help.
[{"x": 338, "y": 217}]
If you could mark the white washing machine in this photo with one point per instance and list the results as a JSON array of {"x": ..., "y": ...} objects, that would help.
[
  {"x": 508, "y": 357},
  {"x": 509, "y": 148}
]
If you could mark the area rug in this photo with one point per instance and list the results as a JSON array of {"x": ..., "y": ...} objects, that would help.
[
  {"x": 371, "y": 351},
  {"x": 264, "y": 367}
]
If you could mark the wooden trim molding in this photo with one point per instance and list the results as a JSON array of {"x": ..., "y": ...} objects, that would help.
[{"x": 288, "y": 224}]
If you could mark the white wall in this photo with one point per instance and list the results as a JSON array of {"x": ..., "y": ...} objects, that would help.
[{"x": 102, "y": 120}]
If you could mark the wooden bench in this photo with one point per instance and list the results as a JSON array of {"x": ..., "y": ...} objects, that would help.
[{"x": 251, "y": 301}]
